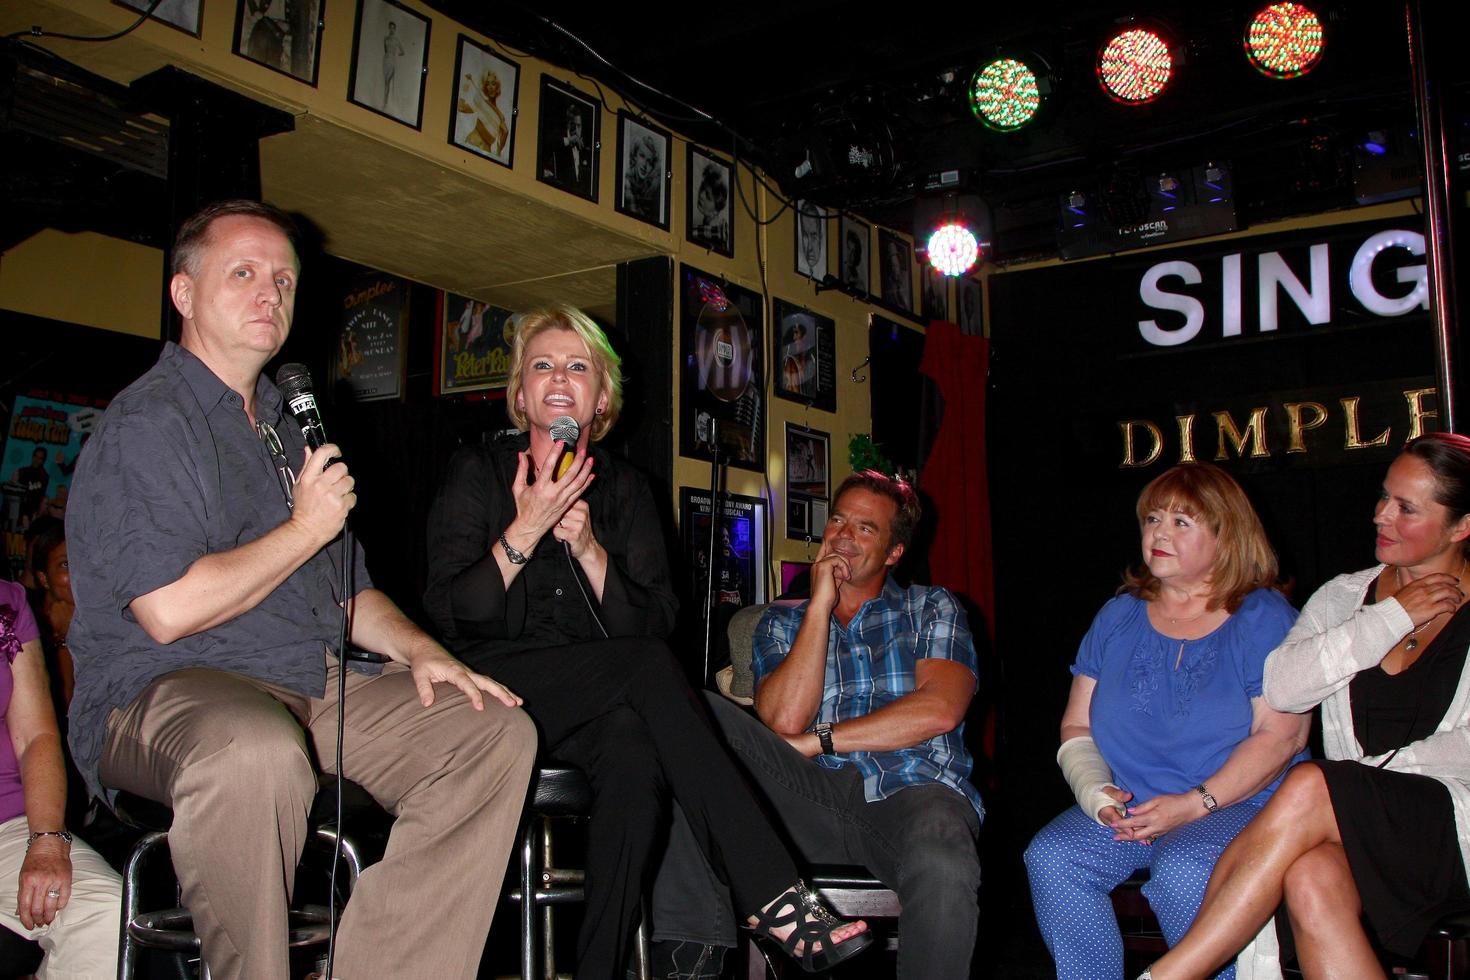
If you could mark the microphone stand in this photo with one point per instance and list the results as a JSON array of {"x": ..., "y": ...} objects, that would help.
[{"x": 710, "y": 604}]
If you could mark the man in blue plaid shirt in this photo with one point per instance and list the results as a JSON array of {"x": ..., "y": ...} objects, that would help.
[{"x": 863, "y": 691}]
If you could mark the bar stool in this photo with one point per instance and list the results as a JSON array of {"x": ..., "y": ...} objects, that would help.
[
  {"x": 557, "y": 791},
  {"x": 172, "y": 929}
]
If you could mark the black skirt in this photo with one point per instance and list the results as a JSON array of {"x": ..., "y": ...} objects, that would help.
[{"x": 1398, "y": 830}]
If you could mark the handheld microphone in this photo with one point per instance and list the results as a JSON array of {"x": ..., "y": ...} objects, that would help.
[
  {"x": 565, "y": 429},
  {"x": 294, "y": 381}
]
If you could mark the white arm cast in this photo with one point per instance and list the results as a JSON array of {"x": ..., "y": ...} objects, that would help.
[{"x": 1085, "y": 771}]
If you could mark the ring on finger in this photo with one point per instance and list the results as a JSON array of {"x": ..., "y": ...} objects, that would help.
[{"x": 53, "y": 893}]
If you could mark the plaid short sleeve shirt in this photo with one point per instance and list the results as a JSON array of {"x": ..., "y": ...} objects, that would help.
[{"x": 871, "y": 662}]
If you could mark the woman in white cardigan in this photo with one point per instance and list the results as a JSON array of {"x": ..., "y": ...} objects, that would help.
[{"x": 1373, "y": 835}]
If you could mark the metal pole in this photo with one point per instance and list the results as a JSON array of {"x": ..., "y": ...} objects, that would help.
[
  {"x": 1439, "y": 237},
  {"x": 710, "y": 605}
]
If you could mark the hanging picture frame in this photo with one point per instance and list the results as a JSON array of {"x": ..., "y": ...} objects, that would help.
[
  {"x": 710, "y": 210},
  {"x": 390, "y": 60},
  {"x": 568, "y": 139},
  {"x": 486, "y": 102}
]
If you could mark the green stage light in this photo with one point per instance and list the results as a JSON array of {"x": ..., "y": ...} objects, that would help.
[{"x": 1005, "y": 94}]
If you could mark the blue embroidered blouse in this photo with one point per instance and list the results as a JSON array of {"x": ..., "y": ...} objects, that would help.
[{"x": 1166, "y": 730}]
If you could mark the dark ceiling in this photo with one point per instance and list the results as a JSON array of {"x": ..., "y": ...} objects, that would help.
[{"x": 809, "y": 77}]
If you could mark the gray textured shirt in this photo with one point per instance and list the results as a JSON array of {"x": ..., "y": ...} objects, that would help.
[{"x": 174, "y": 472}]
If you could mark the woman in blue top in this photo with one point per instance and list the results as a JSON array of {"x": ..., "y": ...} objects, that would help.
[{"x": 1167, "y": 742}]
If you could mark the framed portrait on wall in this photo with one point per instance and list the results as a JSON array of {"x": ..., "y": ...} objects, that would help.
[
  {"x": 808, "y": 481},
  {"x": 811, "y": 240},
  {"x": 643, "y": 170},
  {"x": 805, "y": 361},
  {"x": 472, "y": 346},
  {"x": 390, "y": 58},
  {"x": 722, "y": 378},
  {"x": 568, "y": 139},
  {"x": 181, "y": 14},
  {"x": 854, "y": 262},
  {"x": 935, "y": 304},
  {"x": 282, "y": 35},
  {"x": 486, "y": 96},
  {"x": 895, "y": 264},
  {"x": 710, "y": 210},
  {"x": 971, "y": 307}
]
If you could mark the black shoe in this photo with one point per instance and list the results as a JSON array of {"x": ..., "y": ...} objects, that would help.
[{"x": 814, "y": 926}]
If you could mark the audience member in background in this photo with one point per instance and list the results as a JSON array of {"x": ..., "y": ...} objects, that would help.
[
  {"x": 1166, "y": 740},
  {"x": 52, "y": 573}
]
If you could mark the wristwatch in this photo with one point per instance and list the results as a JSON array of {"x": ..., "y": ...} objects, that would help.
[
  {"x": 1210, "y": 802},
  {"x": 823, "y": 731},
  {"x": 513, "y": 556}
]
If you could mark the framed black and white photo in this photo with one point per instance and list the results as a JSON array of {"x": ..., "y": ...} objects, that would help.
[
  {"x": 390, "y": 57},
  {"x": 643, "y": 170},
  {"x": 568, "y": 139},
  {"x": 711, "y": 206},
  {"x": 808, "y": 481},
  {"x": 855, "y": 262},
  {"x": 486, "y": 95},
  {"x": 811, "y": 240},
  {"x": 282, "y": 35},
  {"x": 896, "y": 270},
  {"x": 806, "y": 355},
  {"x": 971, "y": 312},
  {"x": 935, "y": 305},
  {"x": 182, "y": 14}
]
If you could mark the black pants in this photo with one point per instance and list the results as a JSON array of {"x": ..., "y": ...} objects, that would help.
[{"x": 621, "y": 710}]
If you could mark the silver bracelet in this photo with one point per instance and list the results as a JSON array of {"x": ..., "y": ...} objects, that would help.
[{"x": 37, "y": 835}]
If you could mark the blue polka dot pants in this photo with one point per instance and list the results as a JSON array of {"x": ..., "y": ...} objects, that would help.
[{"x": 1073, "y": 863}]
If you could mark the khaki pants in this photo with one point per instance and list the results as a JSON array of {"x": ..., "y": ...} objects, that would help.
[
  {"x": 234, "y": 758},
  {"x": 81, "y": 942}
]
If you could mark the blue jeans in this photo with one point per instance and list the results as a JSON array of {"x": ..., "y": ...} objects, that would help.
[
  {"x": 1073, "y": 863},
  {"x": 920, "y": 842}
]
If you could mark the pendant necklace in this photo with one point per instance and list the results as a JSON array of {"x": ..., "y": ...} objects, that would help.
[{"x": 1412, "y": 643}]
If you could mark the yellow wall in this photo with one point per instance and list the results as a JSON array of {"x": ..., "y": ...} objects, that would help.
[{"x": 85, "y": 278}]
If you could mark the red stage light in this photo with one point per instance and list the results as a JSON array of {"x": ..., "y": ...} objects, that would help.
[
  {"x": 1135, "y": 65},
  {"x": 1284, "y": 40}
]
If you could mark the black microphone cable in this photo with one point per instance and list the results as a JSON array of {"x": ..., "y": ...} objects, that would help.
[
  {"x": 294, "y": 382},
  {"x": 567, "y": 430}
]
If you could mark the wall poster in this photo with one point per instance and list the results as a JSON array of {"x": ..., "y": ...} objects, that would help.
[
  {"x": 722, "y": 384},
  {"x": 472, "y": 346},
  {"x": 369, "y": 361}
]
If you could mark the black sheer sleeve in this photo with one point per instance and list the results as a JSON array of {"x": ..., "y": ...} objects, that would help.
[
  {"x": 638, "y": 594},
  {"x": 466, "y": 597}
]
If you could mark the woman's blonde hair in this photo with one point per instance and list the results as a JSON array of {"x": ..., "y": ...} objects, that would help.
[
  {"x": 1244, "y": 560},
  {"x": 604, "y": 359}
]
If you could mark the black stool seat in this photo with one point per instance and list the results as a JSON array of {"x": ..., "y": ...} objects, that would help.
[
  {"x": 1452, "y": 927},
  {"x": 172, "y": 929},
  {"x": 560, "y": 790}
]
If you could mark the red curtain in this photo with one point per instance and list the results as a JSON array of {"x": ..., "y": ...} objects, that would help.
[{"x": 954, "y": 476}]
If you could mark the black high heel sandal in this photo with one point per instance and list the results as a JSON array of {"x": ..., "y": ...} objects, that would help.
[{"x": 794, "y": 906}]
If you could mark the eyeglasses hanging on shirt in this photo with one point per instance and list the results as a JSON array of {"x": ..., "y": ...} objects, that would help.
[{"x": 272, "y": 443}]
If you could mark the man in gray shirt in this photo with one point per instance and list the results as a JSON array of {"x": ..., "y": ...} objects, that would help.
[{"x": 204, "y": 543}]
